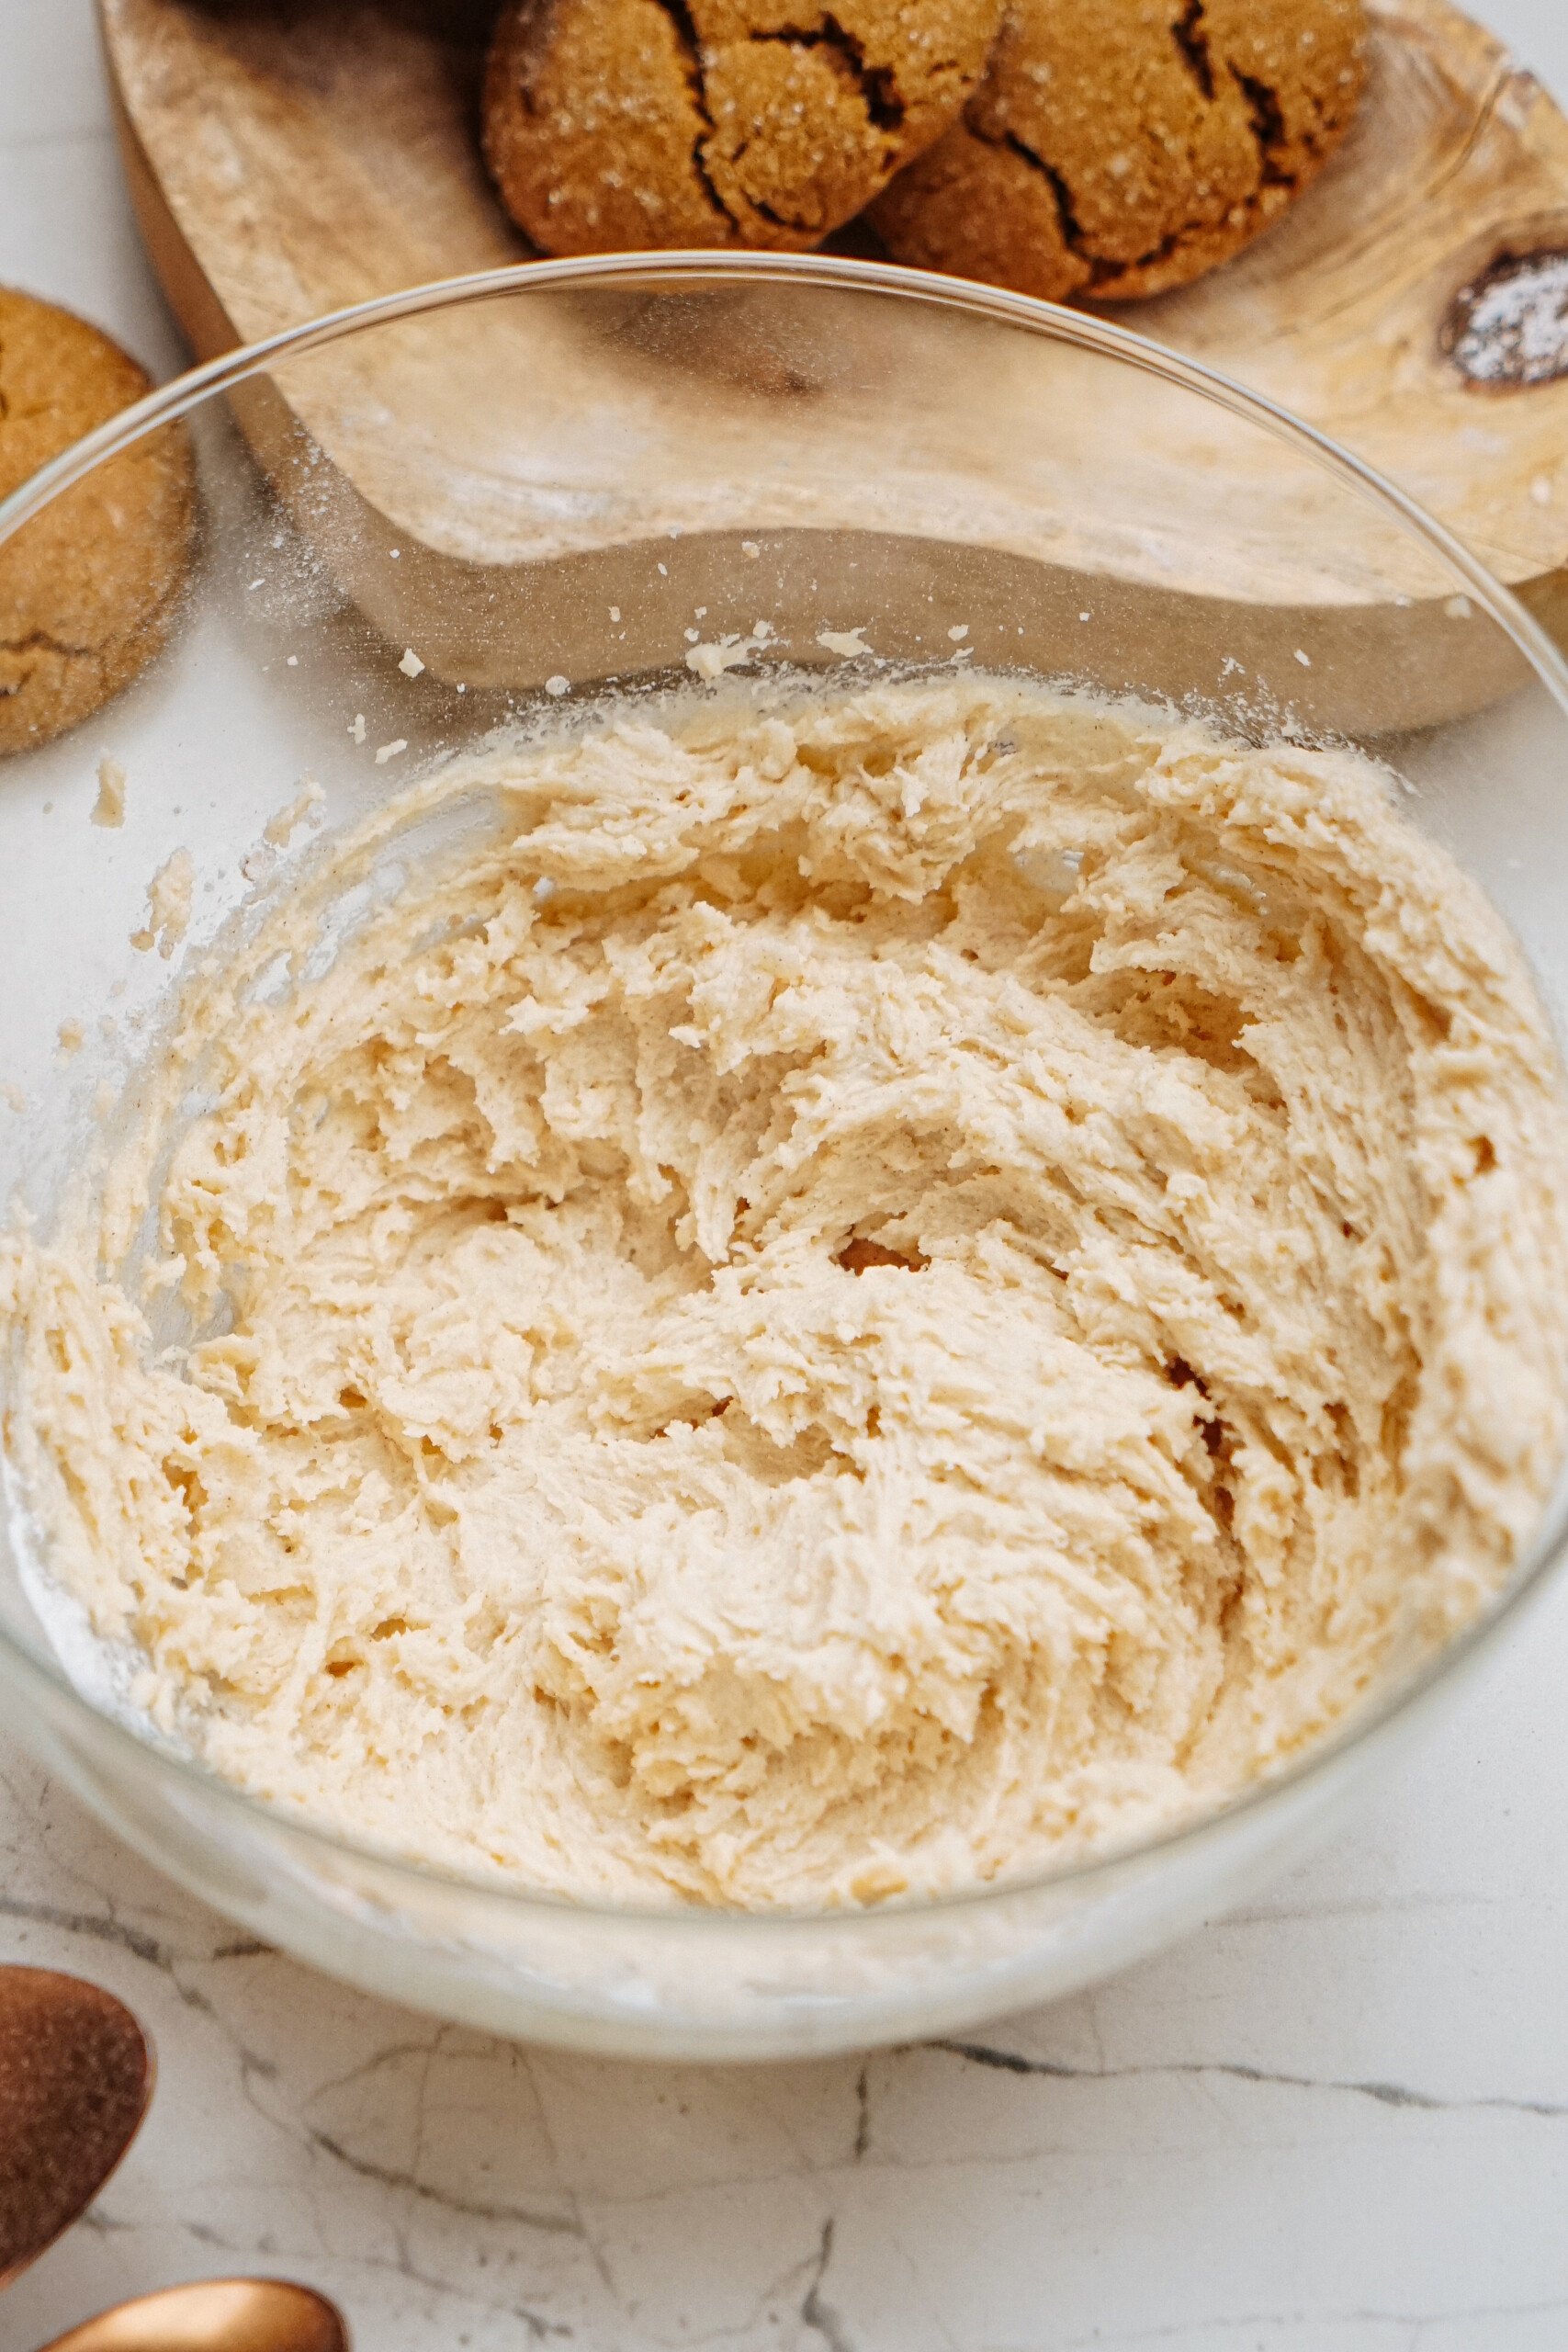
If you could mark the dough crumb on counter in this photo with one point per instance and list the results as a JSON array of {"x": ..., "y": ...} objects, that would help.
[
  {"x": 110, "y": 807},
  {"x": 285, "y": 822},
  {"x": 169, "y": 896},
  {"x": 870, "y": 1289}
]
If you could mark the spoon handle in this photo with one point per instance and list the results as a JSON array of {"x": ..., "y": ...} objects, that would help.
[{"x": 215, "y": 2316}]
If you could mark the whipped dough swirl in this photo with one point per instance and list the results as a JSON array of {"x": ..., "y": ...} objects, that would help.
[{"x": 864, "y": 1293}]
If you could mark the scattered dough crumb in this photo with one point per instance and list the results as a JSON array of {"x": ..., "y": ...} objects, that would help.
[
  {"x": 386, "y": 751},
  {"x": 410, "y": 665},
  {"x": 843, "y": 641},
  {"x": 614, "y": 612},
  {"x": 749, "y": 547},
  {"x": 959, "y": 631},
  {"x": 358, "y": 730},
  {"x": 168, "y": 905},
  {"x": 710, "y": 661},
  {"x": 1304, "y": 658},
  {"x": 1458, "y": 608},
  {"x": 557, "y": 685},
  {"x": 109, "y": 808},
  {"x": 284, "y": 823}
]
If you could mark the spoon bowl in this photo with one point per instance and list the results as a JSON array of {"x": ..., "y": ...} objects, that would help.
[
  {"x": 215, "y": 2316},
  {"x": 75, "y": 2075}
]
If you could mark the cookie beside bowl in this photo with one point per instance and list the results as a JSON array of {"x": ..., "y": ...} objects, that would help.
[
  {"x": 1113, "y": 151},
  {"x": 87, "y": 594},
  {"x": 364, "y": 717}
]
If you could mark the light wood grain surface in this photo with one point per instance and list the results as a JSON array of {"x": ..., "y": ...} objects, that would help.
[{"x": 286, "y": 166}]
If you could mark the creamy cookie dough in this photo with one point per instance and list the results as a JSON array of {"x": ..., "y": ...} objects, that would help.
[{"x": 851, "y": 1296}]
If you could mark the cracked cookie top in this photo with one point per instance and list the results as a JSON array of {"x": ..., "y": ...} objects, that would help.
[
  {"x": 1118, "y": 148},
  {"x": 638, "y": 123},
  {"x": 87, "y": 588}
]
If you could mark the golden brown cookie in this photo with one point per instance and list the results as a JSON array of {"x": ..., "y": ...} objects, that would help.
[
  {"x": 87, "y": 588},
  {"x": 1122, "y": 147},
  {"x": 613, "y": 124}
]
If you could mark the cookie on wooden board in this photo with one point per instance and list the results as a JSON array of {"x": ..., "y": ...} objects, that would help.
[
  {"x": 617, "y": 124},
  {"x": 1118, "y": 148},
  {"x": 88, "y": 587}
]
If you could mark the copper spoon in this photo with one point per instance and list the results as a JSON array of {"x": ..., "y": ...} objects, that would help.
[
  {"x": 75, "y": 2077},
  {"x": 215, "y": 2316}
]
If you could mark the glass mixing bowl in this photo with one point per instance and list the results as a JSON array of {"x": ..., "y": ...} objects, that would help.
[{"x": 548, "y": 479}]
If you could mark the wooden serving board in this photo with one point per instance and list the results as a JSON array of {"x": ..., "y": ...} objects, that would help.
[{"x": 290, "y": 156}]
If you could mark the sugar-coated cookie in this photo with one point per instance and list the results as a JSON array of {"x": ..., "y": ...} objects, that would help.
[
  {"x": 1116, "y": 148},
  {"x": 613, "y": 124},
  {"x": 87, "y": 589}
]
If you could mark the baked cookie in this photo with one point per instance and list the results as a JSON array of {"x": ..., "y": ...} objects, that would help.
[
  {"x": 613, "y": 124},
  {"x": 87, "y": 589},
  {"x": 1116, "y": 147}
]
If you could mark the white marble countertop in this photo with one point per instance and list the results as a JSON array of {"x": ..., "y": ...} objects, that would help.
[{"x": 1336, "y": 2122}]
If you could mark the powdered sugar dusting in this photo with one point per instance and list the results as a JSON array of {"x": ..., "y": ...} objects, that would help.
[{"x": 1512, "y": 328}]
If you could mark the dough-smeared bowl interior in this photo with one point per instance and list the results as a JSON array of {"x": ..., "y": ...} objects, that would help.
[
  {"x": 916, "y": 1164},
  {"x": 866, "y": 1289}
]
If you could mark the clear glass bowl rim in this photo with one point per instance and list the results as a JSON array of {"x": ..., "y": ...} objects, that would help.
[{"x": 21, "y": 1663}]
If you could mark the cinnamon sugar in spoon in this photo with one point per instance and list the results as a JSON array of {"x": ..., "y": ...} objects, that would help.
[{"x": 75, "y": 2077}]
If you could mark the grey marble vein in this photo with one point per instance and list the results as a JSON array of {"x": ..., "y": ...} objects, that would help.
[
  {"x": 816, "y": 2312},
  {"x": 1013, "y": 2062}
]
